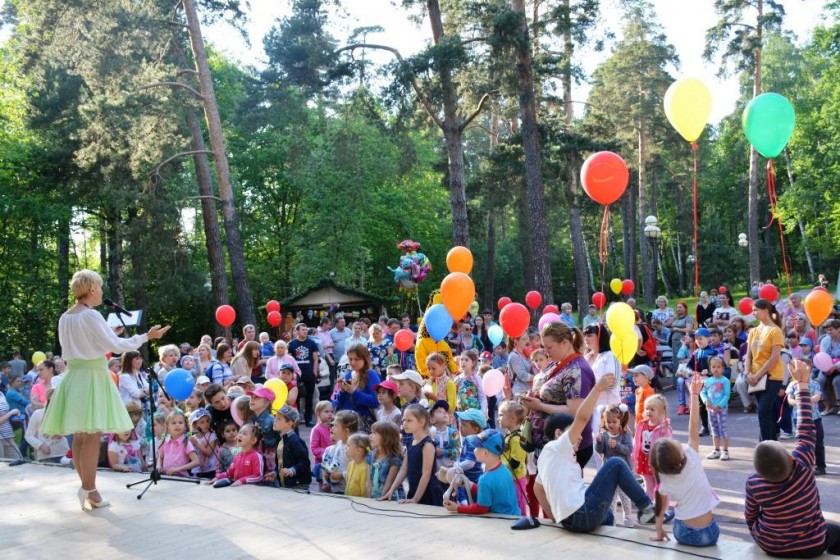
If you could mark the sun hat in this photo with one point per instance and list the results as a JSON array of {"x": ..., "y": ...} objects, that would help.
[
  {"x": 198, "y": 414},
  {"x": 410, "y": 375},
  {"x": 202, "y": 379}
]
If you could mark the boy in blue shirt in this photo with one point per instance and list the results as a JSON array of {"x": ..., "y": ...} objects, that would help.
[
  {"x": 793, "y": 400},
  {"x": 495, "y": 489},
  {"x": 699, "y": 363}
]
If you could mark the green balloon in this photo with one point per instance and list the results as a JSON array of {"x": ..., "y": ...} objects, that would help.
[{"x": 768, "y": 122}]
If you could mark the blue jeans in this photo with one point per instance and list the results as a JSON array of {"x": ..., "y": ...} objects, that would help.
[
  {"x": 707, "y": 536},
  {"x": 597, "y": 507},
  {"x": 681, "y": 391},
  {"x": 768, "y": 413}
]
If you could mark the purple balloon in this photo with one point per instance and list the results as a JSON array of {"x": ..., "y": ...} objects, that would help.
[
  {"x": 548, "y": 318},
  {"x": 823, "y": 361}
]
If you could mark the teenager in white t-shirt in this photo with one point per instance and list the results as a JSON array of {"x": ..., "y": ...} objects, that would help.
[
  {"x": 559, "y": 487},
  {"x": 679, "y": 471}
]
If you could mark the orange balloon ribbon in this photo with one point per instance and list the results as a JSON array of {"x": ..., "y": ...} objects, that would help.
[{"x": 773, "y": 198}]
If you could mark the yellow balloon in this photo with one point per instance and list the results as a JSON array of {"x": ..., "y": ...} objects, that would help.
[
  {"x": 38, "y": 357},
  {"x": 688, "y": 106},
  {"x": 615, "y": 286},
  {"x": 624, "y": 348},
  {"x": 281, "y": 393},
  {"x": 620, "y": 319}
]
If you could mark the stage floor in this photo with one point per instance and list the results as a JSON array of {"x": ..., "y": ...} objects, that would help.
[{"x": 40, "y": 518}]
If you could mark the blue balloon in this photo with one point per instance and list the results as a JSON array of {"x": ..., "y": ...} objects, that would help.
[
  {"x": 495, "y": 334},
  {"x": 179, "y": 384},
  {"x": 438, "y": 322}
]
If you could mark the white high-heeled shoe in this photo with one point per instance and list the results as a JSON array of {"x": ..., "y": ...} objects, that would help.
[{"x": 84, "y": 497}]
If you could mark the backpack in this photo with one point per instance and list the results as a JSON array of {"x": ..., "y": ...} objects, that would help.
[{"x": 648, "y": 342}]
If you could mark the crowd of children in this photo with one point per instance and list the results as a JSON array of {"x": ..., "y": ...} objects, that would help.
[{"x": 441, "y": 440}]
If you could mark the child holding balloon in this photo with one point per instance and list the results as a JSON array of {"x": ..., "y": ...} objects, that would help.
[{"x": 260, "y": 405}]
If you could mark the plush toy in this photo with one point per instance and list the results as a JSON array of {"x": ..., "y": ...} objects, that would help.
[{"x": 454, "y": 477}]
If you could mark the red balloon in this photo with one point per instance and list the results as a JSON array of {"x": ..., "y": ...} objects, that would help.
[
  {"x": 604, "y": 176},
  {"x": 722, "y": 289},
  {"x": 627, "y": 287},
  {"x": 533, "y": 299},
  {"x": 551, "y": 308},
  {"x": 225, "y": 315},
  {"x": 514, "y": 319},
  {"x": 274, "y": 318},
  {"x": 599, "y": 299},
  {"x": 745, "y": 306},
  {"x": 272, "y": 305},
  {"x": 403, "y": 340},
  {"x": 503, "y": 301},
  {"x": 768, "y": 292}
]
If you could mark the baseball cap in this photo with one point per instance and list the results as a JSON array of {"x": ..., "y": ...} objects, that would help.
[
  {"x": 409, "y": 374},
  {"x": 287, "y": 365},
  {"x": 202, "y": 379},
  {"x": 290, "y": 413},
  {"x": 387, "y": 384},
  {"x": 491, "y": 440},
  {"x": 702, "y": 332},
  {"x": 198, "y": 414},
  {"x": 263, "y": 392},
  {"x": 473, "y": 415},
  {"x": 643, "y": 369},
  {"x": 806, "y": 342},
  {"x": 440, "y": 403},
  {"x": 486, "y": 355}
]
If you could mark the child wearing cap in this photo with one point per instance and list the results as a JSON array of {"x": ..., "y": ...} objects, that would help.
[
  {"x": 495, "y": 488},
  {"x": 294, "y": 467},
  {"x": 642, "y": 376},
  {"x": 260, "y": 406},
  {"x": 287, "y": 376},
  {"x": 410, "y": 384},
  {"x": 204, "y": 441},
  {"x": 386, "y": 394},
  {"x": 699, "y": 363},
  {"x": 471, "y": 422},
  {"x": 445, "y": 436}
]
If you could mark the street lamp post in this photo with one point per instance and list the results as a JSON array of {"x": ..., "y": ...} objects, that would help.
[
  {"x": 653, "y": 233},
  {"x": 743, "y": 243}
]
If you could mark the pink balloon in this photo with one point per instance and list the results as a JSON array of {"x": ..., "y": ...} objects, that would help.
[
  {"x": 234, "y": 410},
  {"x": 548, "y": 318},
  {"x": 494, "y": 382},
  {"x": 823, "y": 361}
]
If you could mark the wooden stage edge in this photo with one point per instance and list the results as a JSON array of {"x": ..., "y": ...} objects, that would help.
[{"x": 40, "y": 518}]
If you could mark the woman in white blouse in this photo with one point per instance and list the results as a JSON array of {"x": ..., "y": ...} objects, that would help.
[{"x": 87, "y": 402}]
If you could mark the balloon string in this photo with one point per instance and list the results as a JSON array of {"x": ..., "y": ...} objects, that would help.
[
  {"x": 603, "y": 253},
  {"x": 772, "y": 196},
  {"x": 694, "y": 149}
]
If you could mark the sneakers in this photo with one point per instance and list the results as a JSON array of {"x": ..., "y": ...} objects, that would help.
[
  {"x": 647, "y": 515},
  {"x": 724, "y": 455},
  {"x": 752, "y": 408},
  {"x": 715, "y": 455},
  {"x": 819, "y": 471},
  {"x": 785, "y": 435},
  {"x": 682, "y": 410},
  {"x": 703, "y": 432},
  {"x": 669, "y": 515},
  {"x": 629, "y": 523}
]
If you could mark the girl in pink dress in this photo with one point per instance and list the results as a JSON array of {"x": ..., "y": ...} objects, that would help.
[{"x": 177, "y": 455}]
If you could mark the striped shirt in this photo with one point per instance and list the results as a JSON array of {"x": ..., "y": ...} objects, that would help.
[{"x": 785, "y": 517}]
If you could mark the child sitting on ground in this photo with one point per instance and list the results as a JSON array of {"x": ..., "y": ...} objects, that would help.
[
  {"x": 496, "y": 492},
  {"x": 124, "y": 453},
  {"x": 247, "y": 467},
  {"x": 293, "y": 465},
  {"x": 680, "y": 476},
  {"x": 358, "y": 470},
  {"x": 177, "y": 456},
  {"x": 782, "y": 506}
]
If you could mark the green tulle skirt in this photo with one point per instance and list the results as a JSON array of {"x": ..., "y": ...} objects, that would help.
[{"x": 86, "y": 401}]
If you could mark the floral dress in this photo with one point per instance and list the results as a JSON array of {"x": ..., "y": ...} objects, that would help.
[
  {"x": 378, "y": 356},
  {"x": 570, "y": 379},
  {"x": 467, "y": 395}
]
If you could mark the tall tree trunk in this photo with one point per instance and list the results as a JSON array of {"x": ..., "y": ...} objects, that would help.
[
  {"x": 752, "y": 205},
  {"x": 212, "y": 235},
  {"x": 453, "y": 129},
  {"x": 490, "y": 273},
  {"x": 533, "y": 160},
  {"x": 523, "y": 217},
  {"x": 114, "y": 257},
  {"x": 239, "y": 272},
  {"x": 648, "y": 264},
  {"x": 627, "y": 241},
  {"x": 63, "y": 269},
  {"x": 811, "y": 273},
  {"x": 634, "y": 246},
  {"x": 136, "y": 227}
]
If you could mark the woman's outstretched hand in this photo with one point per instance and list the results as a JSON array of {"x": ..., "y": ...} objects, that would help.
[{"x": 157, "y": 332}]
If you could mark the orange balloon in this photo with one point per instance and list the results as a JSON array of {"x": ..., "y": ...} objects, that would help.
[
  {"x": 459, "y": 259},
  {"x": 457, "y": 292},
  {"x": 818, "y": 305}
]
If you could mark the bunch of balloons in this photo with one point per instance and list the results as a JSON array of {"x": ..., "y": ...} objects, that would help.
[
  {"x": 457, "y": 294},
  {"x": 625, "y": 287},
  {"x": 413, "y": 267},
  {"x": 623, "y": 341},
  {"x": 274, "y": 318}
]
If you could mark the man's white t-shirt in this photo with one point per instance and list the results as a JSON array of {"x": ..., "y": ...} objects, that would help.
[
  {"x": 690, "y": 489},
  {"x": 559, "y": 473}
]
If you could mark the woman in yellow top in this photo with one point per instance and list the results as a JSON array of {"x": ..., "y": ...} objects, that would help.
[
  {"x": 426, "y": 346},
  {"x": 764, "y": 347}
]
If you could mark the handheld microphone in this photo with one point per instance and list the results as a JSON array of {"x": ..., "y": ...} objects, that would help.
[{"x": 116, "y": 307}]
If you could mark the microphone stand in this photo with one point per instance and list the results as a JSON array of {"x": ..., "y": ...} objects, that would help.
[{"x": 154, "y": 475}]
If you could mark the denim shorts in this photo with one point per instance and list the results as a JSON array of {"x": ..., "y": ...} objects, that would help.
[{"x": 707, "y": 536}]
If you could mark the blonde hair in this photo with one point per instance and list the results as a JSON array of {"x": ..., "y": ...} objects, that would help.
[
  {"x": 165, "y": 349},
  {"x": 83, "y": 282},
  {"x": 515, "y": 408},
  {"x": 538, "y": 352},
  {"x": 375, "y": 327},
  {"x": 360, "y": 440},
  {"x": 322, "y": 406},
  {"x": 663, "y": 404}
]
